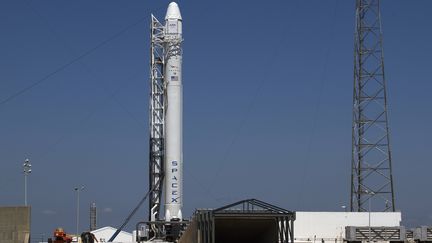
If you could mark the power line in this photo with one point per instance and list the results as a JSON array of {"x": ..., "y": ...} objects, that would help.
[
  {"x": 90, "y": 115},
  {"x": 85, "y": 66},
  {"x": 111, "y": 95},
  {"x": 76, "y": 59}
]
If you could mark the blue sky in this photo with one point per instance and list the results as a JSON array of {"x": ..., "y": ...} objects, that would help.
[{"x": 267, "y": 104}]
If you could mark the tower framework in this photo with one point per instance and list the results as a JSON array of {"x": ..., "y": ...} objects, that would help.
[
  {"x": 156, "y": 118},
  {"x": 371, "y": 173},
  {"x": 93, "y": 217}
]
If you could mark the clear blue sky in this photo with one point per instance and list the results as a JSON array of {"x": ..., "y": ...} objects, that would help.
[{"x": 267, "y": 105}]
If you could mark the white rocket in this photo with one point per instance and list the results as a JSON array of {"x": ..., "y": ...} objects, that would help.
[{"x": 173, "y": 114}]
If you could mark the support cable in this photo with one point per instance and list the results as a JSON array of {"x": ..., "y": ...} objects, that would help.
[{"x": 131, "y": 214}]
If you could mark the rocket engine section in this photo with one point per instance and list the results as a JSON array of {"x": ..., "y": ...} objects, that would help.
[{"x": 173, "y": 114}]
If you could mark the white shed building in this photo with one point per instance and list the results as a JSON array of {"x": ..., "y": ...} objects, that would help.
[{"x": 317, "y": 227}]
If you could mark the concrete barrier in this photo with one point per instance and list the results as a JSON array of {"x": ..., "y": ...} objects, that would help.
[{"x": 15, "y": 224}]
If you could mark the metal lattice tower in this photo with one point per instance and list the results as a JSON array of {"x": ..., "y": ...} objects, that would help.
[
  {"x": 93, "y": 217},
  {"x": 156, "y": 118},
  {"x": 371, "y": 174}
]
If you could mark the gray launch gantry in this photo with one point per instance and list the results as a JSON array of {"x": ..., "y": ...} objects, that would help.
[{"x": 156, "y": 118}]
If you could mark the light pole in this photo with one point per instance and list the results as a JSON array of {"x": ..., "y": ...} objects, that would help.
[
  {"x": 344, "y": 208},
  {"x": 370, "y": 205},
  {"x": 27, "y": 170},
  {"x": 78, "y": 189}
]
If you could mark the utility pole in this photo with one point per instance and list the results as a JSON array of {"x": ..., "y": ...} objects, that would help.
[
  {"x": 369, "y": 218},
  {"x": 27, "y": 170},
  {"x": 78, "y": 189},
  {"x": 371, "y": 156}
]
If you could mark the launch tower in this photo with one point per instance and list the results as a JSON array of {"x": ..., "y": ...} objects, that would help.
[{"x": 166, "y": 135}]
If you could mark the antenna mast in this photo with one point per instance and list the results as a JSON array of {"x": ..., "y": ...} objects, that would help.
[{"x": 371, "y": 173}]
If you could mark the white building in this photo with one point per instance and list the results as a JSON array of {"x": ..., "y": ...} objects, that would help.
[
  {"x": 105, "y": 233},
  {"x": 330, "y": 226}
]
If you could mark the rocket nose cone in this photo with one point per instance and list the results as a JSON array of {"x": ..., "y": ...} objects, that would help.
[{"x": 173, "y": 11}]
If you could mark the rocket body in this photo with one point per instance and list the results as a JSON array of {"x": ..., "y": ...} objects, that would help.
[{"x": 173, "y": 114}]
